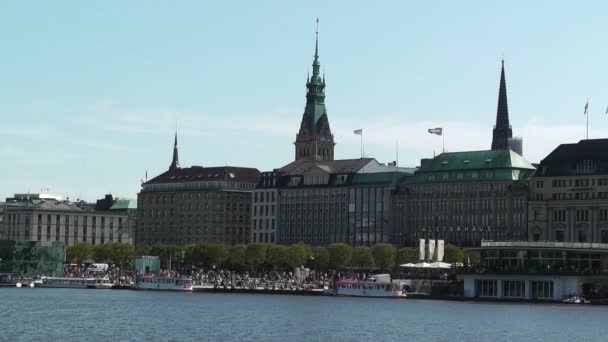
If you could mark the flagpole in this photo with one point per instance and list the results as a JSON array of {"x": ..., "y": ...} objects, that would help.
[
  {"x": 587, "y": 124},
  {"x": 361, "y": 144},
  {"x": 442, "y": 140}
]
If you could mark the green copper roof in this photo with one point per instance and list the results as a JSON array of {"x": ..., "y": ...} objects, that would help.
[
  {"x": 124, "y": 204},
  {"x": 473, "y": 166},
  {"x": 379, "y": 178}
]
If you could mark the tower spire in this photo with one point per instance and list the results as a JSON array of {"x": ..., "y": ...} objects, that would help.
[
  {"x": 175, "y": 161},
  {"x": 502, "y": 130},
  {"x": 317, "y": 41}
]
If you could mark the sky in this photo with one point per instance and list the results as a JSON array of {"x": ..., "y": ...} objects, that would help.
[{"x": 91, "y": 93}]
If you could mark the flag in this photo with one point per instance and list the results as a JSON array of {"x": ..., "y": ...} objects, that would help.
[
  {"x": 607, "y": 110},
  {"x": 358, "y": 131},
  {"x": 586, "y": 107},
  {"x": 421, "y": 249},
  {"x": 438, "y": 130},
  {"x": 313, "y": 136}
]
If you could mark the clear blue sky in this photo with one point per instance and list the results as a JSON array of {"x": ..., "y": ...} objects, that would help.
[{"x": 91, "y": 92}]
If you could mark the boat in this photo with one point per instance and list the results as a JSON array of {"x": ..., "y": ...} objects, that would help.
[
  {"x": 375, "y": 286},
  {"x": 574, "y": 299},
  {"x": 160, "y": 283},
  {"x": 76, "y": 283}
]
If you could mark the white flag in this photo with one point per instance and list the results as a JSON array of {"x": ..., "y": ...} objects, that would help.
[
  {"x": 438, "y": 130},
  {"x": 431, "y": 249},
  {"x": 586, "y": 107},
  {"x": 440, "y": 248},
  {"x": 421, "y": 249},
  {"x": 358, "y": 131}
]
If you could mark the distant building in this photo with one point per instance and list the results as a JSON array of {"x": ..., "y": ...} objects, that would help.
[
  {"x": 569, "y": 194},
  {"x": 264, "y": 209},
  {"x": 196, "y": 204},
  {"x": 464, "y": 197},
  {"x": 314, "y": 140},
  {"x": 546, "y": 271},
  {"x": 38, "y": 217},
  {"x": 314, "y": 201}
]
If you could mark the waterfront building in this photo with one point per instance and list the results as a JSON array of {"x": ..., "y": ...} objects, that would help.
[
  {"x": 264, "y": 209},
  {"x": 31, "y": 258},
  {"x": 502, "y": 135},
  {"x": 196, "y": 204},
  {"x": 41, "y": 217},
  {"x": 463, "y": 198},
  {"x": 537, "y": 271},
  {"x": 325, "y": 202},
  {"x": 569, "y": 194},
  {"x": 314, "y": 140}
]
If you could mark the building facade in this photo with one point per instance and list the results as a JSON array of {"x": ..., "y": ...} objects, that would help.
[
  {"x": 33, "y": 217},
  {"x": 196, "y": 204},
  {"x": 264, "y": 209},
  {"x": 314, "y": 204},
  {"x": 569, "y": 194},
  {"x": 463, "y": 198}
]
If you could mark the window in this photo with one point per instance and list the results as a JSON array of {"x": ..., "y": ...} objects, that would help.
[
  {"x": 582, "y": 215},
  {"x": 582, "y": 236},
  {"x": 559, "y": 235},
  {"x": 513, "y": 288},
  {"x": 541, "y": 289},
  {"x": 487, "y": 288}
]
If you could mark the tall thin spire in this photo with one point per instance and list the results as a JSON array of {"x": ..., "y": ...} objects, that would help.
[
  {"x": 175, "y": 161},
  {"x": 317, "y": 41},
  {"x": 502, "y": 130}
]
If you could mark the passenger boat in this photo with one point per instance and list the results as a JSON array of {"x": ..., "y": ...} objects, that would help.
[
  {"x": 75, "y": 283},
  {"x": 376, "y": 286},
  {"x": 155, "y": 283}
]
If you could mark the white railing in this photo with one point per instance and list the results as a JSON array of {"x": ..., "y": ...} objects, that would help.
[{"x": 545, "y": 244}]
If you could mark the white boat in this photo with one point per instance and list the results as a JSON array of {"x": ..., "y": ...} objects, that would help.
[
  {"x": 376, "y": 286},
  {"x": 76, "y": 283},
  {"x": 159, "y": 283}
]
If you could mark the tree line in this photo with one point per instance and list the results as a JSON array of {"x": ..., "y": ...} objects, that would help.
[{"x": 260, "y": 255}]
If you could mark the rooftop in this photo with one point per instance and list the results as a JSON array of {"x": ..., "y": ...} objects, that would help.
[
  {"x": 202, "y": 174},
  {"x": 584, "y": 157},
  {"x": 343, "y": 166},
  {"x": 124, "y": 204}
]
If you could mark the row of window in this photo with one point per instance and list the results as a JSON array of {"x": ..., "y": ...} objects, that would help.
[{"x": 539, "y": 289}]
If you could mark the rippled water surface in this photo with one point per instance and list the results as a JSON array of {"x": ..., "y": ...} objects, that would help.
[{"x": 111, "y": 315}]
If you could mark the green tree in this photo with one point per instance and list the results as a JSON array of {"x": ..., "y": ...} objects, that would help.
[
  {"x": 255, "y": 254},
  {"x": 102, "y": 253},
  {"x": 406, "y": 255},
  {"x": 216, "y": 254},
  {"x": 297, "y": 255},
  {"x": 79, "y": 252},
  {"x": 362, "y": 257},
  {"x": 384, "y": 255},
  {"x": 452, "y": 254},
  {"x": 277, "y": 255},
  {"x": 339, "y": 255},
  {"x": 237, "y": 255},
  {"x": 321, "y": 258},
  {"x": 121, "y": 253},
  {"x": 142, "y": 250},
  {"x": 472, "y": 257}
]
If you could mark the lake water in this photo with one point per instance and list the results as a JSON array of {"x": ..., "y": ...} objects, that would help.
[{"x": 111, "y": 315}]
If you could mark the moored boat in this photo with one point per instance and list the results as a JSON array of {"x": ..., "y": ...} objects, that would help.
[
  {"x": 376, "y": 286},
  {"x": 160, "y": 283},
  {"x": 75, "y": 283}
]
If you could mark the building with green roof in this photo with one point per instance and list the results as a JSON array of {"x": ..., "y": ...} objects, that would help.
[{"x": 464, "y": 197}]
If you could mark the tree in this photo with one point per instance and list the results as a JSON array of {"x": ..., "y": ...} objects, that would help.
[
  {"x": 121, "y": 253},
  {"x": 406, "y": 255},
  {"x": 236, "y": 255},
  {"x": 472, "y": 257},
  {"x": 102, "y": 253},
  {"x": 142, "y": 250},
  {"x": 321, "y": 258},
  {"x": 277, "y": 255},
  {"x": 297, "y": 255},
  {"x": 216, "y": 254},
  {"x": 362, "y": 257},
  {"x": 255, "y": 254},
  {"x": 384, "y": 255},
  {"x": 339, "y": 255},
  {"x": 79, "y": 252},
  {"x": 452, "y": 254}
]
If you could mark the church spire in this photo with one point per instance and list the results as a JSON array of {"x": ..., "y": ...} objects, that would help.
[
  {"x": 502, "y": 130},
  {"x": 175, "y": 162}
]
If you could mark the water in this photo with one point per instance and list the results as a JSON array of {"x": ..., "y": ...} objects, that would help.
[{"x": 111, "y": 315}]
